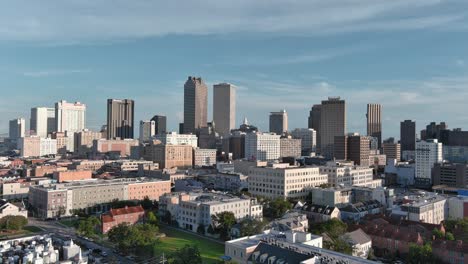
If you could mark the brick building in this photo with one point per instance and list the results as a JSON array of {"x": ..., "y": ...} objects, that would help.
[
  {"x": 73, "y": 175},
  {"x": 130, "y": 215}
]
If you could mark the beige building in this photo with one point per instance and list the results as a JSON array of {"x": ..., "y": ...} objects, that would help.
[
  {"x": 279, "y": 122},
  {"x": 332, "y": 123},
  {"x": 15, "y": 190},
  {"x": 92, "y": 165},
  {"x": 7, "y": 208},
  {"x": 84, "y": 141},
  {"x": 290, "y": 147},
  {"x": 169, "y": 156},
  {"x": 195, "y": 104},
  {"x": 204, "y": 157},
  {"x": 342, "y": 174},
  {"x": 125, "y": 147},
  {"x": 224, "y": 107},
  {"x": 70, "y": 117},
  {"x": 284, "y": 181},
  {"x": 172, "y": 138},
  {"x": 353, "y": 147},
  {"x": 374, "y": 122},
  {"x": 308, "y": 137},
  {"x": 35, "y": 146},
  {"x": 120, "y": 118},
  {"x": 392, "y": 151},
  {"x": 427, "y": 208}
]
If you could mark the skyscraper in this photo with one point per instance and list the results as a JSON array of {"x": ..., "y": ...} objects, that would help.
[
  {"x": 42, "y": 121},
  {"x": 279, "y": 122},
  {"x": 160, "y": 124},
  {"x": 332, "y": 123},
  {"x": 428, "y": 153},
  {"x": 224, "y": 107},
  {"x": 147, "y": 130},
  {"x": 314, "y": 122},
  {"x": 407, "y": 135},
  {"x": 195, "y": 104},
  {"x": 120, "y": 118},
  {"x": 374, "y": 122},
  {"x": 70, "y": 117},
  {"x": 17, "y": 128}
]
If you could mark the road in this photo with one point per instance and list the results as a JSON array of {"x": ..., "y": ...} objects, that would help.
[{"x": 64, "y": 232}]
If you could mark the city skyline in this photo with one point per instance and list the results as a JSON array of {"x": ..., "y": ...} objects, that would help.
[{"x": 393, "y": 57}]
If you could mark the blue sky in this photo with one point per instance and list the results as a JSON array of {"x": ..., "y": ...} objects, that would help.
[{"x": 410, "y": 56}]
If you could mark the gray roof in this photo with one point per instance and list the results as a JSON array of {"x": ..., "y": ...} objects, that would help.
[
  {"x": 357, "y": 237},
  {"x": 282, "y": 255}
]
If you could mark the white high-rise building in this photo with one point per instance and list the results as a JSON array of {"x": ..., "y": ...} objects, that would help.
[
  {"x": 42, "y": 121},
  {"x": 262, "y": 146},
  {"x": 308, "y": 138},
  {"x": 35, "y": 146},
  {"x": 427, "y": 153},
  {"x": 70, "y": 117},
  {"x": 224, "y": 107},
  {"x": 173, "y": 138},
  {"x": 17, "y": 128},
  {"x": 48, "y": 146},
  {"x": 147, "y": 130}
]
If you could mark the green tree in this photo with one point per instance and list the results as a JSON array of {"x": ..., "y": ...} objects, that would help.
[
  {"x": 201, "y": 229},
  {"x": 148, "y": 204},
  {"x": 276, "y": 208},
  {"x": 152, "y": 219},
  {"x": 189, "y": 254},
  {"x": 13, "y": 222},
  {"x": 334, "y": 229},
  {"x": 249, "y": 227},
  {"x": 223, "y": 222},
  {"x": 437, "y": 233},
  {"x": 130, "y": 238},
  {"x": 449, "y": 236},
  {"x": 88, "y": 226},
  {"x": 421, "y": 254}
]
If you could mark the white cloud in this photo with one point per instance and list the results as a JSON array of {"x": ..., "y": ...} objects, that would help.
[{"x": 88, "y": 20}]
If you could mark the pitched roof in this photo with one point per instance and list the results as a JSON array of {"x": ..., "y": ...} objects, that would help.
[
  {"x": 281, "y": 255},
  {"x": 109, "y": 217},
  {"x": 358, "y": 236}
]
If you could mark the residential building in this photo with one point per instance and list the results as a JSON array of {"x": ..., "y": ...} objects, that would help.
[
  {"x": 42, "y": 121},
  {"x": 314, "y": 123},
  {"x": 17, "y": 129},
  {"x": 173, "y": 138},
  {"x": 359, "y": 241},
  {"x": 169, "y": 156},
  {"x": 204, "y": 157},
  {"x": 408, "y": 135},
  {"x": 333, "y": 197},
  {"x": 120, "y": 118},
  {"x": 308, "y": 137},
  {"x": 195, "y": 104},
  {"x": 374, "y": 122},
  {"x": 73, "y": 175},
  {"x": 192, "y": 210},
  {"x": 7, "y": 208},
  {"x": 224, "y": 107},
  {"x": 332, "y": 123},
  {"x": 291, "y": 221},
  {"x": 284, "y": 181},
  {"x": 427, "y": 208},
  {"x": 128, "y": 215},
  {"x": 122, "y": 147},
  {"x": 160, "y": 124},
  {"x": 279, "y": 122},
  {"x": 342, "y": 174},
  {"x": 262, "y": 146},
  {"x": 290, "y": 147},
  {"x": 70, "y": 117},
  {"x": 427, "y": 154},
  {"x": 147, "y": 130},
  {"x": 318, "y": 213},
  {"x": 355, "y": 212}
]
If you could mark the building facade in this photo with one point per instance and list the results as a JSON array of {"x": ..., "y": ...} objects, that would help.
[
  {"x": 279, "y": 122},
  {"x": 374, "y": 122},
  {"x": 290, "y": 147},
  {"x": 169, "y": 156},
  {"x": 427, "y": 154},
  {"x": 120, "y": 118},
  {"x": 308, "y": 137},
  {"x": 332, "y": 123},
  {"x": 408, "y": 135},
  {"x": 70, "y": 117},
  {"x": 195, "y": 104},
  {"x": 224, "y": 107},
  {"x": 129, "y": 215},
  {"x": 160, "y": 124},
  {"x": 204, "y": 157},
  {"x": 262, "y": 146},
  {"x": 173, "y": 138},
  {"x": 147, "y": 130},
  {"x": 17, "y": 128},
  {"x": 42, "y": 121}
]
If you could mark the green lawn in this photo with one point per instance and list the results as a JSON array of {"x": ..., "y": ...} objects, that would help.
[
  {"x": 27, "y": 230},
  {"x": 33, "y": 229},
  {"x": 69, "y": 222},
  {"x": 210, "y": 251}
]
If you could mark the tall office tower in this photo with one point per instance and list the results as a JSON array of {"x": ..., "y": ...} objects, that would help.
[
  {"x": 314, "y": 122},
  {"x": 195, "y": 104},
  {"x": 17, "y": 128},
  {"x": 70, "y": 117},
  {"x": 353, "y": 147},
  {"x": 42, "y": 121},
  {"x": 147, "y": 130},
  {"x": 262, "y": 146},
  {"x": 433, "y": 131},
  {"x": 332, "y": 123},
  {"x": 427, "y": 154},
  {"x": 120, "y": 119},
  {"x": 160, "y": 124},
  {"x": 392, "y": 150},
  {"x": 308, "y": 138},
  {"x": 374, "y": 122},
  {"x": 224, "y": 107},
  {"x": 279, "y": 122},
  {"x": 407, "y": 135}
]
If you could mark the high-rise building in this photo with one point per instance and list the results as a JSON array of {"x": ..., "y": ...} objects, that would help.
[
  {"x": 70, "y": 117},
  {"x": 428, "y": 153},
  {"x": 290, "y": 147},
  {"x": 262, "y": 146},
  {"x": 17, "y": 128},
  {"x": 314, "y": 123},
  {"x": 408, "y": 135},
  {"x": 160, "y": 124},
  {"x": 308, "y": 137},
  {"x": 352, "y": 147},
  {"x": 147, "y": 130},
  {"x": 392, "y": 150},
  {"x": 279, "y": 122},
  {"x": 42, "y": 121},
  {"x": 35, "y": 146},
  {"x": 224, "y": 107},
  {"x": 195, "y": 104},
  {"x": 120, "y": 118},
  {"x": 332, "y": 123},
  {"x": 374, "y": 122},
  {"x": 173, "y": 138}
]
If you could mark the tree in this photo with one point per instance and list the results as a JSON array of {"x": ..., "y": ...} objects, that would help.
[
  {"x": 449, "y": 236},
  {"x": 167, "y": 217},
  {"x": 421, "y": 254},
  {"x": 334, "y": 229},
  {"x": 147, "y": 204},
  {"x": 130, "y": 238},
  {"x": 437, "y": 233},
  {"x": 189, "y": 254},
  {"x": 87, "y": 227},
  {"x": 276, "y": 208},
  {"x": 61, "y": 211},
  {"x": 152, "y": 219},
  {"x": 13, "y": 222},
  {"x": 201, "y": 229},
  {"x": 223, "y": 222},
  {"x": 250, "y": 227}
]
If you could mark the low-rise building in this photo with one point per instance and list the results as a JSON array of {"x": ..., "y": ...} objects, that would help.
[
  {"x": 344, "y": 174},
  {"x": 169, "y": 156},
  {"x": 122, "y": 148},
  {"x": 354, "y": 212},
  {"x": 359, "y": 241},
  {"x": 7, "y": 208},
  {"x": 318, "y": 213},
  {"x": 173, "y": 138},
  {"x": 73, "y": 175},
  {"x": 450, "y": 174},
  {"x": 233, "y": 182},
  {"x": 458, "y": 207},
  {"x": 129, "y": 215},
  {"x": 425, "y": 207},
  {"x": 204, "y": 157}
]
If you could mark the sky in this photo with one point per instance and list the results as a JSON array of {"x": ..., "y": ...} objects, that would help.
[{"x": 409, "y": 56}]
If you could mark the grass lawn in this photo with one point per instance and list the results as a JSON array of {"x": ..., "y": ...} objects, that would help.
[
  {"x": 68, "y": 222},
  {"x": 27, "y": 230},
  {"x": 209, "y": 250},
  {"x": 32, "y": 229}
]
